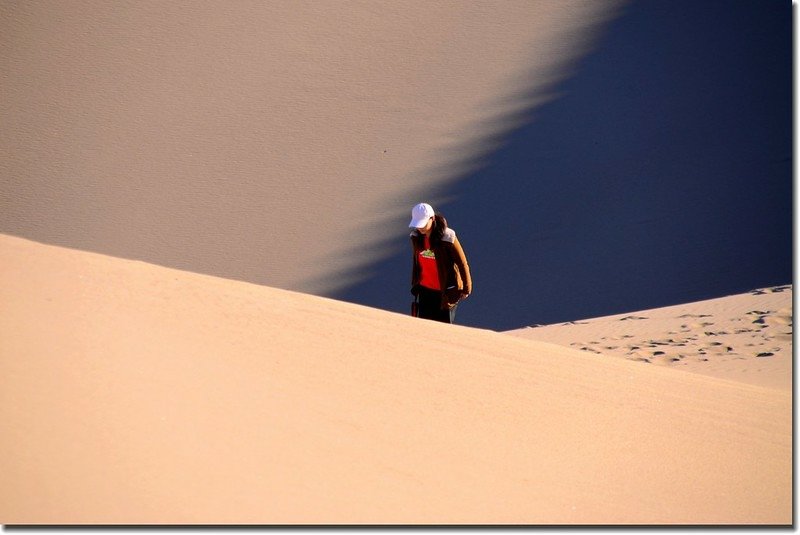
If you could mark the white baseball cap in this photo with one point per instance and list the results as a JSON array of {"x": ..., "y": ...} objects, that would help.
[{"x": 420, "y": 215}]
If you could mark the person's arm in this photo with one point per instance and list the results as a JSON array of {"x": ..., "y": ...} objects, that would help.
[{"x": 463, "y": 267}]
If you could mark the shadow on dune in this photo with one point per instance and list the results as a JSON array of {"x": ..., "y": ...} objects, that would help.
[{"x": 661, "y": 174}]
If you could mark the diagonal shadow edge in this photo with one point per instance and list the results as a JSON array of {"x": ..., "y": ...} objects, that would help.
[
  {"x": 381, "y": 282},
  {"x": 661, "y": 174}
]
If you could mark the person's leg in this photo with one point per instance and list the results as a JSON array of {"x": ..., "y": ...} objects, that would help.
[
  {"x": 430, "y": 307},
  {"x": 445, "y": 315},
  {"x": 429, "y": 304}
]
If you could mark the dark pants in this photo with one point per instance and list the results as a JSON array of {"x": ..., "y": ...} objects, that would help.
[{"x": 430, "y": 306}]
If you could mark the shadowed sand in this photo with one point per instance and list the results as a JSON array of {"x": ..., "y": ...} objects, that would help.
[
  {"x": 276, "y": 142},
  {"x": 132, "y": 393},
  {"x": 745, "y": 337}
]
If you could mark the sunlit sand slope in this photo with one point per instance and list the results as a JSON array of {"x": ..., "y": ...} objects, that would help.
[
  {"x": 131, "y": 393},
  {"x": 746, "y": 337}
]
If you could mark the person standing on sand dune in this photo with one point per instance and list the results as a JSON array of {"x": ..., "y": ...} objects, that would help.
[{"x": 440, "y": 276}]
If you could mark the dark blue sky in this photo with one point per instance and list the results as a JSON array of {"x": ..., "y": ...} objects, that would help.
[{"x": 661, "y": 174}]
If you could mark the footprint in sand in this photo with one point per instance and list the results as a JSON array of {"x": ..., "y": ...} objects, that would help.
[
  {"x": 663, "y": 341},
  {"x": 779, "y": 320},
  {"x": 718, "y": 348},
  {"x": 632, "y": 318},
  {"x": 762, "y": 316},
  {"x": 664, "y": 359}
]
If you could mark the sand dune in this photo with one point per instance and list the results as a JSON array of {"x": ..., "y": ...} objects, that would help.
[
  {"x": 271, "y": 142},
  {"x": 283, "y": 143},
  {"x": 745, "y": 337},
  {"x": 131, "y": 393}
]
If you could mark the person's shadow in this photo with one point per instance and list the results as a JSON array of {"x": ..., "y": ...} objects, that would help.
[{"x": 661, "y": 175}]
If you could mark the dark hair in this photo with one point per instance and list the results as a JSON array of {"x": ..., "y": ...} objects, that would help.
[{"x": 439, "y": 226}]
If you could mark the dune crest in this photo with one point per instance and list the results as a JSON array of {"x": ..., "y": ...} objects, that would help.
[{"x": 132, "y": 393}]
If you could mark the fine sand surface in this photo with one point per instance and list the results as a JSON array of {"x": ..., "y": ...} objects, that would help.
[
  {"x": 745, "y": 337},
  {"x": 133, "y": 393}
]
